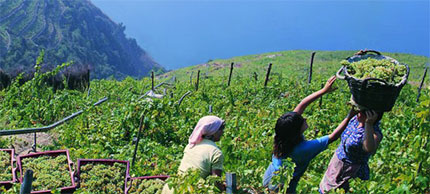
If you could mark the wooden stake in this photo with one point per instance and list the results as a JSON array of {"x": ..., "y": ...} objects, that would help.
[
  {"x": 422, "y": 83},
  {"x": 138, "y": 138},
  {"x": 88, "y": 77},
  {"x": 310, "y": 68},
  {"x": 255, "y": 76},
  {"x": 152, "y": 77},
  {"x": 231, "y": 72},
  {"x": 231, "y": 183},
  {"x": 322, "y": 85},
  {"x": 268, "y": 74},
  {"x": 198, "y": 78}
]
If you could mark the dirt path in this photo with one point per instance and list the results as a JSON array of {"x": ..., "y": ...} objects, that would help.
[{"x": 23, "y": 143}]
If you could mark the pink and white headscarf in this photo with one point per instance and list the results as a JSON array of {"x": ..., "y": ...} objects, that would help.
[{"x": 207, "y": 125}]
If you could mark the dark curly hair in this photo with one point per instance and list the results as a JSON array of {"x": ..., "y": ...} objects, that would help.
[{"x": 287, "y": 133}]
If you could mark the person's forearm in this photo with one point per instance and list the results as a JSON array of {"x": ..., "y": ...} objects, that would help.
[
  {"x": 369, "y": 144},
  {"x": 308, "y": 100}
]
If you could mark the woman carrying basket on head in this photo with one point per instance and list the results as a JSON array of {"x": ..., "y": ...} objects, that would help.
[
  {"x": 290, "y": 142},
  {"x": 202, "y": 153},
  {"x": 359, "y": 141}
]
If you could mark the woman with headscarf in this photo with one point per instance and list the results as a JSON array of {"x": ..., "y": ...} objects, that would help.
[{"x": 201, "y": 152}]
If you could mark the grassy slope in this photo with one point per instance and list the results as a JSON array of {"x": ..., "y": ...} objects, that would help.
[{"x": 290, "y": 62}]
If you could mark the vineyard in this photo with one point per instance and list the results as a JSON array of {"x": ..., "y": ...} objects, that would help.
[{"x": 250, "y": 109}]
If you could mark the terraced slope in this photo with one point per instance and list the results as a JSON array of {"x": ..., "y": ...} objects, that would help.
[{"x": 68, "y": 30}]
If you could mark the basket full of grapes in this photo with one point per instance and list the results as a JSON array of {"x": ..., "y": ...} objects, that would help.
[
  {"x": 7, "y": 175},
  {"x": 102, "y": 176},
  {"x": 52, "y": 171},
  {"x": 146, "y": 184},
  {"x": 374, "y": 80}
]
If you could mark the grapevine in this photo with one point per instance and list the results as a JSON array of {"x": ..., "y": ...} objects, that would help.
[
  {"x": 101, "y": 178},
  {"x": 146, "y": 186},
  {"x": 5, "y": 166},
  {"x": 49, "y": 173},
  {"x": 250, "y": 111}
]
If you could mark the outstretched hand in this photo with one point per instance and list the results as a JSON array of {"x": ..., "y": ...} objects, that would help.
[{"x": 328, "y": 85}]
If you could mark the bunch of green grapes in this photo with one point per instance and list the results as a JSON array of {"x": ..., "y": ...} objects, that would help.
[
  {"x": 5, "y": 166},
  {"x": 384, "y": 69},
  {"x": 49, "y": 172},
  {"x": 146, "y": 186},
  {"x": 101, "y": 178}
]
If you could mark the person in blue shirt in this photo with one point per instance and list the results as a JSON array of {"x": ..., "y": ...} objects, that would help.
[{"x": 290, "y": 142}]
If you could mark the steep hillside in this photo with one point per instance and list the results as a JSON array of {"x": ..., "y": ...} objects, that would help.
[{"x": 68, "y": 31}]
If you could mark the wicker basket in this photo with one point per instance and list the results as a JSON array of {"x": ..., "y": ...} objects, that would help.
[{"x": 373, "y": 93}]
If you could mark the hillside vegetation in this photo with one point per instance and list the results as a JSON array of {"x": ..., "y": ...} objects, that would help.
[
  {"x": 68, "y": 31},
  {"x": 401, "y": 164}
]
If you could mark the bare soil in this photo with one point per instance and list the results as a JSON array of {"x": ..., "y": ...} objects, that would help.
[{"x": 23, "y": 143}]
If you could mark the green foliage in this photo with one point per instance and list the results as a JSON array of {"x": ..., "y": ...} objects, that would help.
[
  {"x": 49, "y": 173},
  {"x": 146, "y": 186},
  {"x": 383, "y": 69},
  {"x": 5, "y": 166},
  {"x": 401, "y": 163},
  {"x": 284, "y": 175},
  {"x": 32, "y": 99},
  {"x": 101, "y": 178},
  {"x": 14, "y": 190},
  {"x": 191, "y": 182}
]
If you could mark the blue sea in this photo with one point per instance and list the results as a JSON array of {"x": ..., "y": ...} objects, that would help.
[{"x": 183, "y": 33}]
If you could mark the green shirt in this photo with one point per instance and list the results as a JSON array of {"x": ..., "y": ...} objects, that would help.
[{"x": 205, "y": 156}]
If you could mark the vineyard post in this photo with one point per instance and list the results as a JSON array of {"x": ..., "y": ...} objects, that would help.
[
  {"x": 231, "y": 72},
  {"x": 268, "y": 74},
  {"x": 422, "y": 83},
  {"x": 322, "y": 86},
  {"x": 138, "y": 138},
  {"x": 152, "y": 82},
  {"x": 35, "y": 143},
  {"x": 255, "y": 76},
  {"x": 198, "y": 78},
  {"x": 310, "y": 68},
  {"x": 26, "y": 184},
  {"x": 88, "y": 77},
  {"x": 88, "y": 95},
  {"x": 231, "y": 182},
  {"x": 191, "y": 78},
  {"x": 210, "y": 108}
]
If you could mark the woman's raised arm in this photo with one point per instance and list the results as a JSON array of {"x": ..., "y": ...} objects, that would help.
[
  {"x": 300, "y": 108},
  {"x": 371, "y": 139}
]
